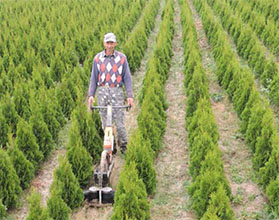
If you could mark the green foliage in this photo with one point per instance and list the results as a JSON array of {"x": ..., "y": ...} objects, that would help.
[
  {"x": 201, "y": 145},
  {"x": 24, "y": 168},
  {"x": 41, "y": 132},
  {"x": 65, "y": 179},
  {"x": 130, "y": 200},
  {"x": 3, "y": 212},
  {"x": 56, "y": 207},
  {"x": 26, "y": 142},
  {"x": 4, "y": 129},
  {"x": 140, "y": 152},
  {"x": 9, "y": 181},
  {"x": 36, "y": 211},
  {"x": 255, "y": 125},
  {"x": 79, "y": 157},
  {"x": 272, "y": 192},
  {"x": 264, "y": 146},
  {"x": 86, "y": 125},
  {"x": 271, "y": 168},
  {"x": 219, "y": 206},
  {"x": 9, "y": 112},
  {"x": 21, "y": 100}
]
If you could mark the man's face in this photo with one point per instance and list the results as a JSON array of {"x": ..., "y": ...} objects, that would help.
[{"x": 109, "y": 46}]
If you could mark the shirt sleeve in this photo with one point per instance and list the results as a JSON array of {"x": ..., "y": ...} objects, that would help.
[
  {"x": 127, "y": 79},
  {"x": 93, "y": 80}
]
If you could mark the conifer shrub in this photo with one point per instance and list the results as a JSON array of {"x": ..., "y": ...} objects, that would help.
[
  {"x": 255, "y": 125},
  {"x": 65, "y": 99},
  {"x": 21, "y": 97},
  {"x": 96, "y": 119},
  {"x": 9, "y": 112},
  {"x": 9, "y": 182},
  {"x": 272, "y": 192},
  {"x": 24, "y": 168},
  {"x": 79, "y": 157},
  {"x": 4, "y": 129},
  {"x": 41, "y": 132},
  {"x": 271, "y": 168},
  {"x": 26, "y": 142},
  {"x": 140, "y": 152},
  {"x": 201, "y": 145},
  {"x": 274, "y": 90},
  {"x": 203, "y": 121},
  {"x": 68, "y": 184},
  {"x": 130, "y": 201},
  {"x": 86, "y": 125},
  {"x": 49, "y": 113},
  {"x": 56, "y": 207},
  {"x": 201, "y": 190},
  {"x": 36, "y": 211},
  {"x": 219, "y": 206},
  {"x": 254, "y": 99},
  {"x": 3, "y": 211},
  {"x": 270, "y": 71},
  {"x": 263, "y": 145},
  {"x": 241, "y": 94}
]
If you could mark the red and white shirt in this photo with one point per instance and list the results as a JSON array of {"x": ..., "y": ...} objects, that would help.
[{"x": 111, "y": 71}]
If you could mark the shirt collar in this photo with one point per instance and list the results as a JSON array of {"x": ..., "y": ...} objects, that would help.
[{"x": 104, "y": 54}]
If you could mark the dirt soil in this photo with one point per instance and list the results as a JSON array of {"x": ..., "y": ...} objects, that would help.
[
  {"x": 171, "y": 200},
  {"x": 248, "y": 200},
  {"x": 87, "y": 212}
]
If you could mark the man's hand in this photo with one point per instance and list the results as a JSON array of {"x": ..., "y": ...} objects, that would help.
[
  {"x": 130, "y": 101},
  {"x": 90, "y": 102}
]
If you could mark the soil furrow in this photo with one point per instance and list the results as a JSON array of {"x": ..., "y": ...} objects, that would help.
[
  {"x": 248, "y": 200},
  {"x": 86, "y": 212},
  {"x": 171, "y": 199}
]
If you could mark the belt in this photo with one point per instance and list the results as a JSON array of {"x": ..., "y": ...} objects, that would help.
[{"x": 109, "y": 86}]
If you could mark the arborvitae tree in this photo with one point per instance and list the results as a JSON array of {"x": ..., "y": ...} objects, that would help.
[
  {"x": 26, "y": 142},
  {"x": 86, "y": 126},
  {"x": 219, "y": 205},
  {"x": 263, "y": 145},
  {"x": 255, "y": 125},
  {"x": 130, "y": 200},
  {"x": 274, "y": 89},
  {"x": 8, "y": 109},
  {"x": 140, "y": 152},
  {"x": 9, "y": 181},
  {"x": 23, "y": 167},
  {"x": 4, "y": 129},
  {"x": 3, "y": 212},
  {"x": 65, "y": 99},
  {"x": 56, "y": 206},
  {"x": 270, "y": 70},
  {"x": 96, "y": 118},
  {"x": 49, "y": 113},
  {"x": 242, "y": 93},
  {"x": 201, "y": 145},
  {"x": 199, "y": 89},
  {"x": 271, "y": 168},
  {"x": 21, "y": 100},
  {"x": 203, "y": 121},
  {"x": 41, "y": 132},
  {"x": 78, "y": 156},
  {"x": 203, "y": 187},
  {"x": 69, "y": 186},
  {"x": 272, "y": 192},
  {"x": 36, "y": 211},
  {"x": 254, "y": 99}
]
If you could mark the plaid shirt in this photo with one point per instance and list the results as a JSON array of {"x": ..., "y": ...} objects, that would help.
[{"x": 111, "y": 71}]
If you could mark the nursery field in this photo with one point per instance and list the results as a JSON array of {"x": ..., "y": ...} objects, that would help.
[{"x": 203, "y": 133}]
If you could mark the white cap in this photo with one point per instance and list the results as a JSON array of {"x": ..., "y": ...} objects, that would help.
[{"x": 109, "y": 37}]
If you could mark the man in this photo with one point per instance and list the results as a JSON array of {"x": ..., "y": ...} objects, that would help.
[{"x": 110, "y": 72}]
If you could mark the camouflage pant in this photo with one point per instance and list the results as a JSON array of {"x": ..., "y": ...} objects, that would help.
[{"x": 113, "y": 96}]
